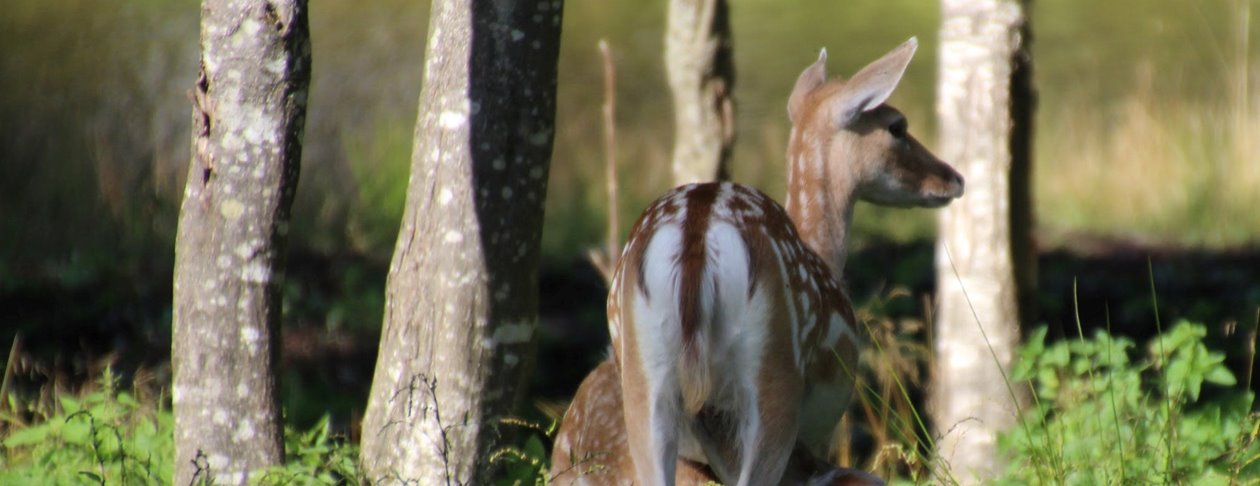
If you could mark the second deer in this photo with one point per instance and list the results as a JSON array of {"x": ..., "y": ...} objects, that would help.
[
  {"x": 733, "y": 337},
  {"x": 590, "y": 448}
]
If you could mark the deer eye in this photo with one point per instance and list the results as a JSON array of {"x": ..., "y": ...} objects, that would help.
[{"x": 898, "y": 128}]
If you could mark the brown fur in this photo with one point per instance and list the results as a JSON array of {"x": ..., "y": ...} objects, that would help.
[
  {"x": 694, "y": 375},
  {"x": 591, "y": 448}
]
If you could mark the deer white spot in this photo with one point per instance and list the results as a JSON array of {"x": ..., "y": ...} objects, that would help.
[
  {"x": 445, "y": 196},
  {"x": 454, "y": 236},
  {"x": 451, "y": 120},
  {"x": 807, "y": 309},
  {"x": 780, "y": 257},
  {"x": 837, "y": 327}
]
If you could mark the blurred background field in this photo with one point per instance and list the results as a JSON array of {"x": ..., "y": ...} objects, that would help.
[{"x": 1147, "y": 144}]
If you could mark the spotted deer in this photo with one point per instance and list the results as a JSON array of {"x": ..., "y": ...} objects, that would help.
[
  {"x": 731, "y": 333},
  {"x": 590, "y": 447}
]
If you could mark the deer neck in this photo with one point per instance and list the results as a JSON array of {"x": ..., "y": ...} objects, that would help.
[{"x": 819, "y": 200}]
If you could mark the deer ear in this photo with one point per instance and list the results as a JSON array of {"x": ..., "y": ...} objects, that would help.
[
  {"x": 813, "y": 77},
  {"x": 872, "y": 86}
]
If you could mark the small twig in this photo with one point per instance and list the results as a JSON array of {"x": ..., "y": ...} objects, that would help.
[
  {"x": 8, "y": 368},
  {"x": 610, "y": 149},
  {"x": 1251, "y": 350},
  {"x": 198, "y": 460},
  {"x": 607, "y": 262}
]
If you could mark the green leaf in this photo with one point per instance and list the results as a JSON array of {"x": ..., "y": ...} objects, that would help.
[
  {"x": 1220, "y": 375},
  {"x": 534, "y": 448},
  {"x": 1057, "y": 355},
  {"x": 1175, "y": 377},
  {"x": 69, "y": 405},
  {"x": 127, "y": 400},
  {"x": 27, "y": 436}
]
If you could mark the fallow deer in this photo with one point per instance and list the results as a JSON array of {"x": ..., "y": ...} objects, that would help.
[
  {"x": 590, "y": 448},
  {"x": 733, "y": 337}
]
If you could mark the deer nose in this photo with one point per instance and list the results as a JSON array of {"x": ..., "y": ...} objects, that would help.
[{"x": 956, "y": 185}]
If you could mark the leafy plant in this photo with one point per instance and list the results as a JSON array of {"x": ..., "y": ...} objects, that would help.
[
  {"x": 109, "y": 436},
  {"x": 315, "y": 456},
  {"x": 106, "y": 436},
  {"x": 1105, "y": 415},
  {"x": 526, "y": 464}
]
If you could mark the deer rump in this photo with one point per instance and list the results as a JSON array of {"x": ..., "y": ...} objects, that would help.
[{"x": 719, "y": 291}]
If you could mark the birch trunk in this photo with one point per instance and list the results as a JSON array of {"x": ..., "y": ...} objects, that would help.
[
  {"x": 462, "y": 296},
  {"x": 248, "y": 116},
  {"x": 701, "y": 73},
  {"x": 985, "y": 132}
]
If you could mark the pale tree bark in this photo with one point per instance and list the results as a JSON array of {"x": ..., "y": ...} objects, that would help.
[
  {"x": 462, "y": 296},
  {"x": 984, "y": 108},
  {"x": 701, "y": 72},
  {"x": 248, "y": 116}
]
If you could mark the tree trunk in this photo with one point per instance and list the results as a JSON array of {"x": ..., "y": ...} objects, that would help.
[
  {"x": 984, "y": 131},
  {"x": 701, "y": 73},
  {"x": 462, "y": 297},
  {"x": 248, "y": 115}
]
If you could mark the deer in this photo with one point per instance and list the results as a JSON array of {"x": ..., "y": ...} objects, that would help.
[
  {"x": 732, "y": 337},
  {"x": 590, "y": 447}
]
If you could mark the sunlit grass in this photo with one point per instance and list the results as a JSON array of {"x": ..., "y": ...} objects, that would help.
[
  {"x": 1148, "y": 133},
  {"x": 1154, "y": 169}
]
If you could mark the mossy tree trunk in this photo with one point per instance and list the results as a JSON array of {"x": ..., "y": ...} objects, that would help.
[
  {"x": 462, "y": 296},
  {"x": 248, "y": 116},
  {"x": 984, "y": 264},
  {"x": 701, "y": 71}
]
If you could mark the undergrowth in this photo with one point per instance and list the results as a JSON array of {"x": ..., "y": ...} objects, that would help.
[
  {"x": 109, "y": 436},
  {"x": 1105, "y": 410},
  {"x": 102, "y": 437},
  {"x": 1107, "y": 413}
]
